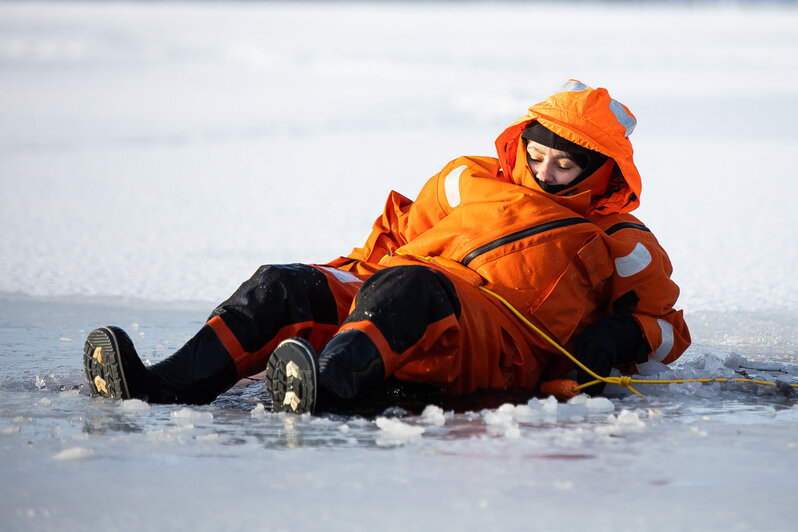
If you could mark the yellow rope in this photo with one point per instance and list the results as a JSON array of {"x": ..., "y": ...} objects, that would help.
[{"x": 624, "y": 381}]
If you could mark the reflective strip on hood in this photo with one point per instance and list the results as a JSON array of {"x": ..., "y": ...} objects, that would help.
[
  {"x": 623, "y": 116},
  {"x": 572, "y": 86}
]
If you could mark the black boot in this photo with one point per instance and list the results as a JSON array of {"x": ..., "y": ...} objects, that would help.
[
  {"x": 350, "y": 367},
  {"x": 112, "y": 366},
  {"x": 196, "y": 373},
  {"x": 291, "y": 377},
  {"x": 299, "y": 381}
]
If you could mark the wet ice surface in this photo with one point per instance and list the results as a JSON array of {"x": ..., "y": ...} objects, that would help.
[
  {"x": 708, "y": 450},
  {"x": 159, "y": 152}
]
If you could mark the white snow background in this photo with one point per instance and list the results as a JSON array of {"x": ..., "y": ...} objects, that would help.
[{"x": 153, "y": 155}]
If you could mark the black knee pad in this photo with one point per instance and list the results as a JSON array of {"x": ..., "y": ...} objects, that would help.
[
  {"x": 276, "y": 296},
  {"x": 403, "y": 301}
]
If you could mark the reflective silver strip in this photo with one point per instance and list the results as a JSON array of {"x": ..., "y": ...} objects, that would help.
[
  {"x": 452, "y": 186},
  {"x": 667, "y": 341},
  {"x": 621, "y": 114},
  {"x": 573, "y": 86},
  {"x": 633, "y": 263},
  {"x": 623, "y": 117},
  {"x": 341, "y": 275}
]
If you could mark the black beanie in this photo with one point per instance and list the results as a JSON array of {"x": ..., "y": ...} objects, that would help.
[{"x": 588, "y": 160}]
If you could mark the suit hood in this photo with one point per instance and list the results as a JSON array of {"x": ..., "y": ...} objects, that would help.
[{"x": 590, "y": 118}]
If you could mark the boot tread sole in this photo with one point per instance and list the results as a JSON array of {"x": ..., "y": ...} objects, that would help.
[
  {"x": 291, "y": 377},
  {"x": 103, "y": 366}
]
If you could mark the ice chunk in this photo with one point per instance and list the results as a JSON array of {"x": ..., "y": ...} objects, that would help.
[
  {"x": 497, "y": 417},
  {"x": 259, "y": 411},
  {"x": 179, "y": 434},
  {"x": 715, "y": 367},
  {"x": 685, "y": 388},
  {"x": 534, "y": 403},
  {"x": 433, "y": 415},
  {"x": 502, "y": 421},
  {"x": 506, "y": 408},
  {"x": 44, "y": 401},
  {"x": 188, "y": 415},
  {"x": 358, "y": 421},
  {"x": 651, "y": 368},
  {"x": 322, "y": 421},
  {"x": 133, "y": 405},
  {"x": 74, "y": 453},
  {"x": 512, "y": 431},
  {"x": 625, "y": 422},
  {"x": 599, "y": 404},
  {"x": 527, "y": 413},
  {"x": 396, "y": 432},
  {"x": 549, "y": 406},
  {"x": 734, "y": 361},
  {"x": 398, "y": 428},
  {"x": 575, "y": 408}
]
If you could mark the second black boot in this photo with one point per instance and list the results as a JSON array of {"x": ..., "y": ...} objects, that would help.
[
  {"x": 291, "y": 377},
  {"x": 299, "y": 381},
  {"x": 350, "y": 368}
]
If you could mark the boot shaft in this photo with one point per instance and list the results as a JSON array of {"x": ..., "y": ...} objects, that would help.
[{"x": 196, "y": 373}]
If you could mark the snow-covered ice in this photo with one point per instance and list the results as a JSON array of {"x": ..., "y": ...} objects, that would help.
[{"x": 154, "y": 154}]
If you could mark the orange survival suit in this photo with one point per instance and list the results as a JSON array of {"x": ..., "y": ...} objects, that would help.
[
  {"x": 563, "y": 261},
  {"x": 408, "y": 303}
]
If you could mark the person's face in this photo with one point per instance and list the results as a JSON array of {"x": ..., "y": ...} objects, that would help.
[{"x": 550, "y": 166}]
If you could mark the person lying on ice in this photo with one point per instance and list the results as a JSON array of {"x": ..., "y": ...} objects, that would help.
[{"x": 546, "y": 226}]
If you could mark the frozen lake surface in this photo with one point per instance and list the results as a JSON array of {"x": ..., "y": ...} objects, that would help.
[
  {"x": 716, "y": 453},
  {"x": 153, "y": 155}
]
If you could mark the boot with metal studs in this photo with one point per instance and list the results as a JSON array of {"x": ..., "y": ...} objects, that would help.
[
  {"x": 292, "y": 376},
  {"x": 112, "y": 366},
  {"x": 196, "y": 373}
]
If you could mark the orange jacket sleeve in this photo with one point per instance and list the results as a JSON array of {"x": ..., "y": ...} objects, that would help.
[{"x": 642, "y": 282}]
